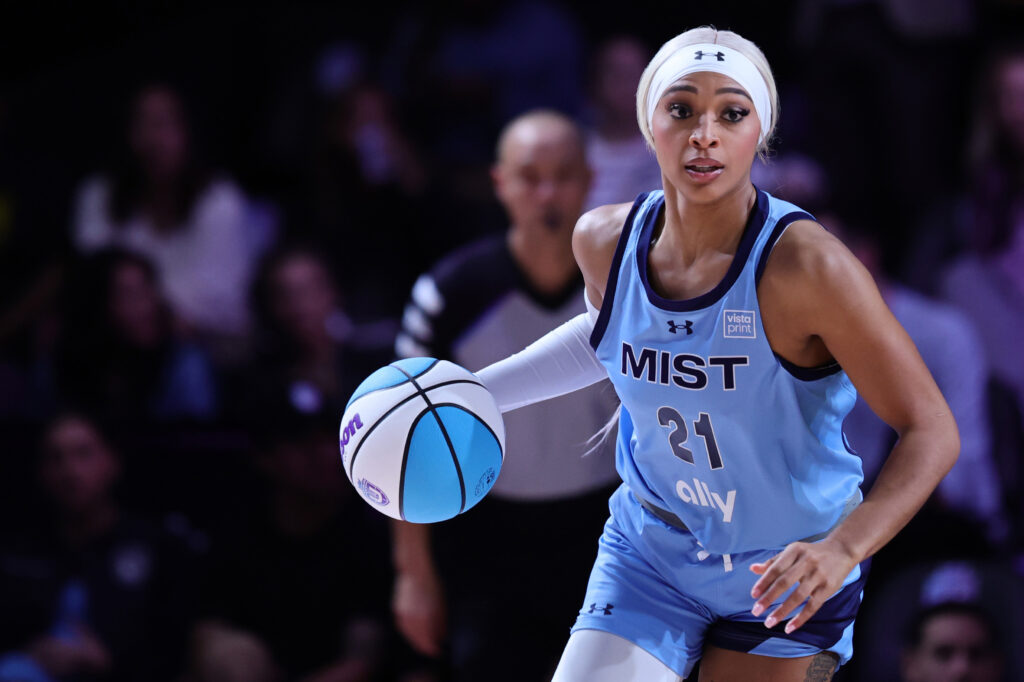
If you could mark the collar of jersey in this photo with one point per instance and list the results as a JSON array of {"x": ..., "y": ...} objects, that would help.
[{"x": 755, "y": 222}]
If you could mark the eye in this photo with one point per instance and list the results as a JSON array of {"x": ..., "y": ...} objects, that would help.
[
  {"x": 735, "y": 114},
  {"x": 679, "y": 110}
]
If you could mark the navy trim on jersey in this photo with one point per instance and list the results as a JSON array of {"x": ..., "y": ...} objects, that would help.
[
  {"x": 823, "y": 630},
  {"x": 780, "y": 227},
  {"x": 755, "y": 221},
  {"x": 798, "y": 372},
  {"x": 809, "y": 373},
  {"x": 613, "y": 275}
]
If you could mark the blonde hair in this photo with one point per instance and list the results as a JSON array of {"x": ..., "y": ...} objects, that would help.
[{"x": 706, "y": 34}]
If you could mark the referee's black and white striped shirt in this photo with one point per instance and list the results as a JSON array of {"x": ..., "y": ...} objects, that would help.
[{"x": 476, "y": 307}]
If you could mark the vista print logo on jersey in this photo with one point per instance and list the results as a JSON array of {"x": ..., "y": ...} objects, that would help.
[{"x": 739, "y": 324}]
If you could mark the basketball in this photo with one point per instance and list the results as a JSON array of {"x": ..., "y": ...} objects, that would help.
[{"x": 422, "y": 440}]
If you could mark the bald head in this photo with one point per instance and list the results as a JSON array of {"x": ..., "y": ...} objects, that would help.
[
  {"x": 540, "y": 128},
  {"x": 541, "y": 175}
]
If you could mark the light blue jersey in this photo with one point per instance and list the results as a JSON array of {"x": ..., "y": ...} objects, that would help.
[{"x": 745, "y": 448}]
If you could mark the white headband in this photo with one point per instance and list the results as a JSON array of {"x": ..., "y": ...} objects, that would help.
[{"x": 720, "y": 59}]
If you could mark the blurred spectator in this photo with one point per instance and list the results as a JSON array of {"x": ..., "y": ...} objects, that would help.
[
  {"x": 944, "y": 337},
  {"x": 33, "y": 247},
  {"x": 982, "y": 221},
  {"x": 298, "y": 586},
  {"x": 162, "y": 202},
  {"x": 952, "y": 642},
  {"x": 623, "y": 164},
  {"x": 987, "y": 282},
  {"x": 467, "y": 67},
  {"x": 117, "y": 350},
  {"x": 953, "y": 620},
  {"x": 475, "y": 596},
  {"x": 367, "y": 202},
  {"x": 898, "y": 55},
  {"x": 91, "y": 592},
  {"x": 309, "y": 349}
]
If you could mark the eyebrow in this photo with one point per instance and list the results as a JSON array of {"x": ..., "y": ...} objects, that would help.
[{"x": 719, "y": 91}]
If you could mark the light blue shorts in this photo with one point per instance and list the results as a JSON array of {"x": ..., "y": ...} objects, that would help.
[{"x": 655, "y": 586}]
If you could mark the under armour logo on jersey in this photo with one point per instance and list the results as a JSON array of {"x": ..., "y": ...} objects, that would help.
[
  {"x": 687, "y": 325},
  {"x": 700, "y": 54},
  {"x": 606, "y": 609}
]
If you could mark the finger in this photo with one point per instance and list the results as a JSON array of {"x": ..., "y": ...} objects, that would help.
[
  {"x": 779, "y": 564},
  {"x": 798, "y": 597},
  {"x": 810, "y": 608},
  {"x": 761, "y": 567},
  {"x": 774, "y": 591}
]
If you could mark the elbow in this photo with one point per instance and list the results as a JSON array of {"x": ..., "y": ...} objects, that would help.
[{"x": 951, "y": 442}]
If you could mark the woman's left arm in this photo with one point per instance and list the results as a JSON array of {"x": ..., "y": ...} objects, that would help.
[{"x": 830, "y": 298}]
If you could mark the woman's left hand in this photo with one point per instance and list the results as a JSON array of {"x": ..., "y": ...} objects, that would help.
[{"x": 817, "y": 569}]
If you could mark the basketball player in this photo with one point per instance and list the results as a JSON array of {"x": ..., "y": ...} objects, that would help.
[
  {"x": 472, "y": 583},
  {"x": 734, "y": 329}
]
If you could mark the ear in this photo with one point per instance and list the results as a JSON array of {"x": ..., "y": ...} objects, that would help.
[{"x": 498, "y": 179}]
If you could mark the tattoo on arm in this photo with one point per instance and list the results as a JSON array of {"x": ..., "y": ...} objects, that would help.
[{"x": 821, "y": 668}]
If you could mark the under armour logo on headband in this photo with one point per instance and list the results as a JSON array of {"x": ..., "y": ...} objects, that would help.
[{"x": 700, "y": 55}]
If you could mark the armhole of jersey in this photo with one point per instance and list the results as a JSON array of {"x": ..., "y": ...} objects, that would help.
[
  {"x": 798, "y": 372},
  {"x": 780, "y": 227},
  {"x": 613, "y": 274}
]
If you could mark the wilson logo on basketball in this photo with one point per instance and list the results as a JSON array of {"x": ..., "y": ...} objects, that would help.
[
  {"x": 350, "y": 429},
  {"x": 372, "y": 492}
]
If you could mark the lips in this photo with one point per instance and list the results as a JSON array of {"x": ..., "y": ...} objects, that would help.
[
  {"x": 704, "y": 166},
  {"x": 703, "y": 170}
]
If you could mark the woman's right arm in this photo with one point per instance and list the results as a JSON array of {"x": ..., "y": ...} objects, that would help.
[{"x": 562, "y": 360}]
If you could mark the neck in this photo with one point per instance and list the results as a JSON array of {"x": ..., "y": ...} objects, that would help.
[
  {"x": 545, "y": 257},
  {"x": 82, "y": 526},
  {"x": 693, "y": 229}
]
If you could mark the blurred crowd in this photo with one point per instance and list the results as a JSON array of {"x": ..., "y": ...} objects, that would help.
[{"x": 210, "y": 223}]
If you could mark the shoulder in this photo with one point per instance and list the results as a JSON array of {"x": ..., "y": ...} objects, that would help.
[
  {"x": 472, "y": 262},
  {"x": 601, "y": 226},
  {"x": 466, "y": 281},
  {"x": 595, "y": 238},
  {"x": 92, "y": 225},
  {"x": 808, "y": 254},
  {"x": 93, "y": 188},
  {"x": 221, "y": 201},
  {"x": 222, "y": 189}
]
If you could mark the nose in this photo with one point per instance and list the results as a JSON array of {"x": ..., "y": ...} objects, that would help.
[
  {"x": 546, "y": 190},
  {"x": 704, "y": 135}
]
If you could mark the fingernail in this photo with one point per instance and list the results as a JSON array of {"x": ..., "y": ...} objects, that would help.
[
  {"x": 770, "y": 622},
  {"x": 755, "y": 593},
  {"x": 789, "y": 628},
  {"x": 757, "y": 610}
]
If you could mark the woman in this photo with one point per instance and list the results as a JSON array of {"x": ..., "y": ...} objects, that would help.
[
  {"x": 161, "y": 202},
  {"x": 734, "y": 329},
  {"x": 309, "y": 349},
  {"x": 117, "y": 350}
]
